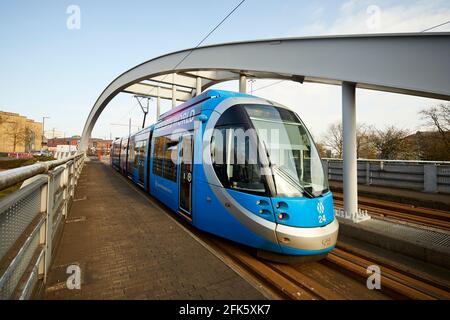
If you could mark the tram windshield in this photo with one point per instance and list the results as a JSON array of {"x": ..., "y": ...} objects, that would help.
[{"x": 295, "y": 164}]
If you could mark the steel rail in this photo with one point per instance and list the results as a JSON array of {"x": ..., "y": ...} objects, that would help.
[
  {"x": 394, "y": 266},
  {"x": 400, "y": 282},
  {"x": 10, "y": 177}
]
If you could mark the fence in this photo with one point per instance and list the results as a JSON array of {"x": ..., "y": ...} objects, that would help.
[
  {"x": 426, "y": 176},
  {"x": 30, "y": 221}
]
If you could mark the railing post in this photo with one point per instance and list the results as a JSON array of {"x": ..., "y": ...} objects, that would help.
[
  {"x": 65, "y": 182},
  {"x": 74, "y": 177},
  {"x": 430, "y": 178},
  {"x": 70, "y": 179},
  {"x": 76, "y": 164},
  {"x": 43, "y": 240},
  {"x": 368, "y": 173},
  {"x": 49, "y": 224}
]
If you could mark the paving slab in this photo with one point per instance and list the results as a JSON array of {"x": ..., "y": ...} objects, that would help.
[{"x": 127, "y": 248}]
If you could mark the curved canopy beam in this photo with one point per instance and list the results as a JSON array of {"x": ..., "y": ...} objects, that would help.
[{"x": 415, "y": 64}]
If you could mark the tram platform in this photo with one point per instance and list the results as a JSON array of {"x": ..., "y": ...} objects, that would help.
[
  {"x": 419, "y": 242},
  {"x": 128, "y": 248},
  {"x": 428, "y": 244}
]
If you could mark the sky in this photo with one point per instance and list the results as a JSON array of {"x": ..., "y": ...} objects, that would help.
[{"x": 52, "y": 67}]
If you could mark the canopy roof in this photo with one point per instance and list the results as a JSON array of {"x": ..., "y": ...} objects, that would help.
[{"x": 415, "y": 64}]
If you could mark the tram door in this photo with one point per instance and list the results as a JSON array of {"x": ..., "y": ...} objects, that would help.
[{"x": 185, "y": 179}]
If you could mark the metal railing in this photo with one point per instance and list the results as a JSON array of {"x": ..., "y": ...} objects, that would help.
[
  {"x": 30, "y": 221},
  {"x": 425, "y": 176}
]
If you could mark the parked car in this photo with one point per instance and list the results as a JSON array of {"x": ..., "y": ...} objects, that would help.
[{"x": 41, "y": 153}]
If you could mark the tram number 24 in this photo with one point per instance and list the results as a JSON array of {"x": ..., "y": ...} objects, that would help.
[{"x": 322, "y": 218}]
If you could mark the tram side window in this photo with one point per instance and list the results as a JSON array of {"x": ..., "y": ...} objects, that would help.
[
  {"x": 163, "y": 164},
  {"x": 139, "y": 159},
  {"x": 170, "y": 158},
  {"x": 115, "y": 153},
  {"x": 123, "y": 152},
  {"x": 139, "y": 150},
  {"x": 158, "y": 156},
  {"x": 131, "y": 153},
  {"x": 117, "y": 150},
  {"x": 233, "y": 162}
]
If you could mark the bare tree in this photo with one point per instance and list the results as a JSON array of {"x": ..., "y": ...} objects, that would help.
[
  {"x": 390, "y": 143},
  {"x": 438, "y": 117},
  {"x": 29, "y": 138},
  {"x": 321, "y": 149},
  {"x": 364, "y": 141},
  {"x": 364, "y": 146},
  {"x": 429, "y": 146},
  {"x": 333, "y": 139},
  {"x": 3, "y": 119},
  {"x": 16, "y": 134}
]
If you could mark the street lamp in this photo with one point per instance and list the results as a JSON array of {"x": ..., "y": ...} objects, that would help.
[
  {"x": 251, "y": 85},
  {"x": 43, "y": 131}
]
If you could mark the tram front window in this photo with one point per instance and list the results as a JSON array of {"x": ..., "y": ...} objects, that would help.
[
  {"x": 296, "y": 166},
  {"x": 234, "y": 162},
  {"x": 233, "y": 155},
  {"x": 266, "y": 150}
]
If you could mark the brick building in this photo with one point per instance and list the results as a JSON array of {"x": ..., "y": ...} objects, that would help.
[
  {"x": 95, "y": 145},
  {"x": 18, "y": 133},
  {"x": 101, "y": 146},
  {"x": 71, "y": 141}
]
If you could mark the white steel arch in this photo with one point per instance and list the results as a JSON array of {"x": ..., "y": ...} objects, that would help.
[{"x": 415, "y": 64}]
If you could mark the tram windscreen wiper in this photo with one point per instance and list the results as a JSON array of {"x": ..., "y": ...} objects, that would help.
[
  {"x": 270, "y": 165},
  {"x": 290, "y": 179},
  {"x": 285, "y": 175}
]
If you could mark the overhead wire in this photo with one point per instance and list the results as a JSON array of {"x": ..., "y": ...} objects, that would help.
[
  {"x": 434, "y": 27},
  {"x": 192, "y": 50}
]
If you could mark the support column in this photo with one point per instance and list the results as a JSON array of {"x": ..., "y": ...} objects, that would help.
[
  {"x": 174, "y": 92},
  {"x": 198, "y": 86},
  {"x": 242, "y": 84},
  {"x": 158, "y": 104},
  {"x": 350, "y": 178}
]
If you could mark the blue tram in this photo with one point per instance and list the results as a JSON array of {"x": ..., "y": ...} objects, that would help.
[{"x": 237, "y": 166}]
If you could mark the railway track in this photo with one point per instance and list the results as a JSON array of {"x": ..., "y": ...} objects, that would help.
[
  {"x": 404, "y": 283},
  {"x": 420, "y": 215},
  {"x": 341, "y": 275},
  {"x": 284, "y": 281},
  {"x": 342, "y": 264}
]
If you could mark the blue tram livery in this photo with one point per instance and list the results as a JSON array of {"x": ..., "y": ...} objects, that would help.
[{"x": 237, "y": 166}]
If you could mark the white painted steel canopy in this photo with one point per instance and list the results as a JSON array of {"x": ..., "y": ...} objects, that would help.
[{"x": 415, "y": 64}]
